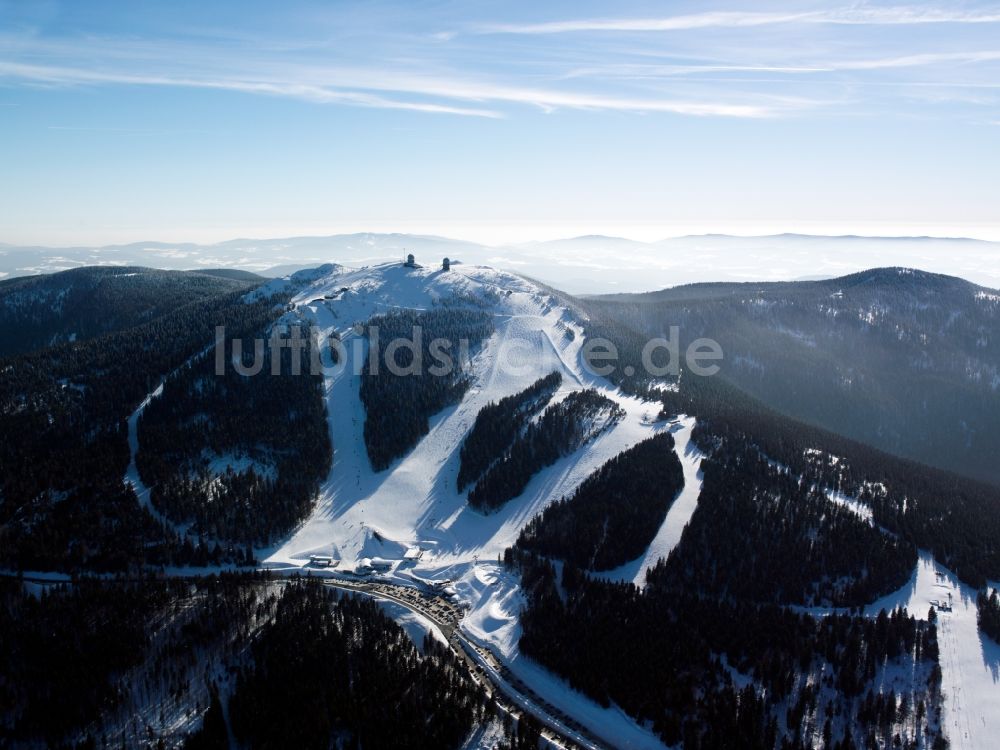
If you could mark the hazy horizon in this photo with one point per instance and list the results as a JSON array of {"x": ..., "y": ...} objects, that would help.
[
  {"x": 521, "y": 236},
  {"x": 580, "y": 265}
]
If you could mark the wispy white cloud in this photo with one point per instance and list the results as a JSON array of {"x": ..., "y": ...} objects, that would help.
[
  {"x": 859, "y": 15},
  {"x": 356, "y": 87},
  {"x": 645, "y": 70},
  {"x": 70, "y": 76},
  {"x": 912, "y": 61},
  {"x": 669, "y": 23},
  {"x": 905, "y": 16},
  {"x": 433, "y": 75}
]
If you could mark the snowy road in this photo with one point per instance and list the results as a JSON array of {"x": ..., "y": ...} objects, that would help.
[
  {"x": 560, "y": 731},
  {"x": 132, "y": 473}
]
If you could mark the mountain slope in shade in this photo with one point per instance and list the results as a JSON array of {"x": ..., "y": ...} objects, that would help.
[
  {"x": 80, "y": 304},
  {"x": 903, "y": 360}
]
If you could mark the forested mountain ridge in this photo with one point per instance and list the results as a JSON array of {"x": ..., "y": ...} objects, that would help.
[
  {"x": 498, "y": 424},
  {"x": 696, "y": 565},
  {"x": 79, "y": 304},
  {"x": 904, "y": 360},
  {"x": 64, "y": 443},
  {"x": 195, "y": 664},
  {"x": 239, "y": 458}
]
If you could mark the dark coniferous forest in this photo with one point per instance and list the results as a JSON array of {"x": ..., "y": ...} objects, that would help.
[
  {"x": 271, "y": 424},
  {"x": 561, "y": 429},
  {"x": 398, "y": 406},
  {"x": 238, "y": 658},
  {"x": 497, "y": 426},
  {"x": 957, "y": 519},
  {"x": 64, "y": 440},
  {"x": 326, "y": 667},
  {"x": 988, "y": 604},
  {"x": 704, "y": 670},
  {"x": 760, "y": 531},
  {"x": 82, "y": 303},
  {"x": 615, "y": 513}
]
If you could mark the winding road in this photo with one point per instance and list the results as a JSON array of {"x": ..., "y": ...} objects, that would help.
[{"x": 509, "y": 691}]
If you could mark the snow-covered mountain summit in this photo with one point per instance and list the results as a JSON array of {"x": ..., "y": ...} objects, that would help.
[
  {"x": 363, "y": 513},
  {"x": 367, "y": 518}
]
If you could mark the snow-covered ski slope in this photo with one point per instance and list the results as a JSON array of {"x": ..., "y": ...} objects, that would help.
[
  {"x": 678, "y": 515},
  {"x": 414, "y": 503},
  {"x": 970, "y": 661},
  {"x": 363, "y": 514}
]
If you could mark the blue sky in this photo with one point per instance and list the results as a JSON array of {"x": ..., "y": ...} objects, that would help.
[{"x": 496, "y": 121}]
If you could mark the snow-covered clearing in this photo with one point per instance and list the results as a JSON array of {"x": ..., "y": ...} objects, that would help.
[
  {"x": 416, "y": 625},
  {"x": 970, "y": 661},
  {"x": 485, "y": 737},
  {"x": 858, "y": 508}
]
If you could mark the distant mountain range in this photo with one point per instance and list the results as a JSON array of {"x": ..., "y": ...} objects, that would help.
[{"x": 590, "y": 264}]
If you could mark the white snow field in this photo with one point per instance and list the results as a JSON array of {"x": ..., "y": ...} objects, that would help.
[{"x": 361, "y": 514}]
